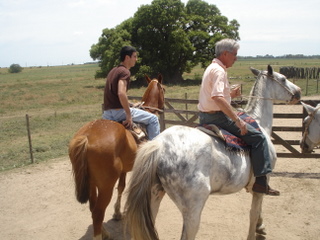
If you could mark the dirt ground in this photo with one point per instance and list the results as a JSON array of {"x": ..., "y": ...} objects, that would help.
[{"x": 38, "y": 202}]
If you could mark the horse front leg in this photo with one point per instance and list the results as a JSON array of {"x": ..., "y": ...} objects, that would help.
[
  {"x": 255, "y": 215},
  {"x": 117, "y": 207},
  {"x": 260, "y": 228}
]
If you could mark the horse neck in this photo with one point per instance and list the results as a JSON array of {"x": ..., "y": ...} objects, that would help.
[
  {"x": 260, "y": 106},
  {"x": 152, "y": 95}
]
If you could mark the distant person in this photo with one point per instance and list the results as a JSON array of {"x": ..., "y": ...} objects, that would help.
[
  {"x": 116, "y": 104},
  {"x": 215, "y": 108}
]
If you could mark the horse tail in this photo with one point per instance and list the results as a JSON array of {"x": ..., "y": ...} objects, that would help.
[
  {"x": 139, "y": 217},
  {"x": 78, "y": 157}
]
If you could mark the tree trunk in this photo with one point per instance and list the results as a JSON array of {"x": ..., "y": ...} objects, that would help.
[{"x": 172, "y": 78}]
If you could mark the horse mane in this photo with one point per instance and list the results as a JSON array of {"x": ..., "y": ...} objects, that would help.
[{"x": 254, "y": 97}]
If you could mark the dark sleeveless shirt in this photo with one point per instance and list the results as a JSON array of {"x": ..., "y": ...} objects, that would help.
[{"x": 111, "y": 98}]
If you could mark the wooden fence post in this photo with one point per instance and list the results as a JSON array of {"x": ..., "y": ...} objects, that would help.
[
  {"x": 29, "y": 137},
  {"x": 186, "y": 104}
]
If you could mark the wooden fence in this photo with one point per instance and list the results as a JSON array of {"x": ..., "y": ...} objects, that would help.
[{"x": 186, "y": 114}]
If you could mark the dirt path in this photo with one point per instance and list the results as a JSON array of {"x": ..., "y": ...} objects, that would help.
[{"x": 38, "y": 202}]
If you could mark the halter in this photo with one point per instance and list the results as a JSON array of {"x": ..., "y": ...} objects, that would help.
[{"x": 306, "y": 127}]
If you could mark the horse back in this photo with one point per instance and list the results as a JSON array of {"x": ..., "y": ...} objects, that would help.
[
  {"x": 201, "y": 161},
  {"x": 109, "y": 144}
]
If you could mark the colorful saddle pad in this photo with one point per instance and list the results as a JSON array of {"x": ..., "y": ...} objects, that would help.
[{"x": 232, "y": 141}]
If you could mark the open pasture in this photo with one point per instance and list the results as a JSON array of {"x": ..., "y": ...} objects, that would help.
[{"x": 60, "y": 99}]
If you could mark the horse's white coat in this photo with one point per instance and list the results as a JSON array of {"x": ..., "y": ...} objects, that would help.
[
  {"x": 191, "y": 165},
  {"x": 312, "y": 136}
]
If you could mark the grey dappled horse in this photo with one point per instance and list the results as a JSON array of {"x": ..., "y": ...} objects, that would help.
[
  {"x": 311, "y": 135},
  {"x": 189, "y": 165}
]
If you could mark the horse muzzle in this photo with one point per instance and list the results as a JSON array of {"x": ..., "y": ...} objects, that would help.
[
  {"x": 295, "y": 97},
  {"x": 305, "y": 148}
]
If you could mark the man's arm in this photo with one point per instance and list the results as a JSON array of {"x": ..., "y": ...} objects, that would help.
[
  {"x": 227, "y": 109},
  {"x": 122, "y": 94}
]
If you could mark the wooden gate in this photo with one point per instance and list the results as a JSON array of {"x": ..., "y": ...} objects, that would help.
[{"x": 184, "y": 112}]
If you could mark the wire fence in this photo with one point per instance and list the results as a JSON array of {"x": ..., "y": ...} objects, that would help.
[{"x": 34, "y": 137}]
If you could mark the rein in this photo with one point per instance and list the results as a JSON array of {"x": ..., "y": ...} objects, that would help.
[{"x": 152, "y": 108}]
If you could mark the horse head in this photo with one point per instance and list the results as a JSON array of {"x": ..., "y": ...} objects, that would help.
[
  {"x": 311, "y": 126},
  {"x": 292, "y": 93},
  {"x": 153, "y": 98}
]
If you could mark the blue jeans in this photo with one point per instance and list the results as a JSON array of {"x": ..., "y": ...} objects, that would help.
[
  {"x": 260, "y": 157},
  {"x": 150, "y": 120}
]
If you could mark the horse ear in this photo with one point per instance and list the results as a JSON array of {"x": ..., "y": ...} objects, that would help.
[
  {"x": 147, "y": 78},
  {"x": 160, "y": 78},
  {"x": 308, "y": 107},
  {"x": 256, "y": 72},
  {"x": 270, "y": 70}
]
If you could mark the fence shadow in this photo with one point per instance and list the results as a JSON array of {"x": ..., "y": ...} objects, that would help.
[{"x": 296, "y": 175}]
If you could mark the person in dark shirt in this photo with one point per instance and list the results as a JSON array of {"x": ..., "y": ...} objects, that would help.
[{"x": 116, "y": 104}]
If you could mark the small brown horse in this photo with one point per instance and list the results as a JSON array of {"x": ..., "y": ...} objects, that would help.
[{"x": 102, "y": 152}]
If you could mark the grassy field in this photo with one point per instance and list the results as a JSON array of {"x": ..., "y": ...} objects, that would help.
[{"x": 60, "y": 99}]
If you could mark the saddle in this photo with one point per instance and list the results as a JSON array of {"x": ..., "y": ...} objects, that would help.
[{"x": 232, "y": 142}]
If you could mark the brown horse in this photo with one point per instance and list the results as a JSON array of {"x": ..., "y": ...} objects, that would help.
[{"x": 101, "y": 153}]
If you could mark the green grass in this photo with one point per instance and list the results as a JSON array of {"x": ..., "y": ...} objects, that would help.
[{"x": 59, "y": 100}]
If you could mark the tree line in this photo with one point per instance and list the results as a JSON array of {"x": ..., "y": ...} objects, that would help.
[
  {"x": 171, "y": 38},
  {"x": 287, "y": 56}
]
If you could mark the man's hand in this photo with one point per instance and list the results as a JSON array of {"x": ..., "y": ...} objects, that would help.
[
  {"x": 127, "y": 123},
  {"x": 242, "y": 126},
  {"x": 235, "y": 91}
]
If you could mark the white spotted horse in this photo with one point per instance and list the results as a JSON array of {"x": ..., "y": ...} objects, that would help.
[
  {"x": 189, "y": 165},
  {"x": 311, "y": 134}
]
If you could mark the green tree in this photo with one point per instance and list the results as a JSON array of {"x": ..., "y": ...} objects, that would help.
[
  {"x": 171, "y": 38},
  {"x": 15, "y": 68},
  {"x": 109, "y": 45}
]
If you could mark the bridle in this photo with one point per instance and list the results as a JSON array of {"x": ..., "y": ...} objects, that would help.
[{"x": 276, "y": 80}]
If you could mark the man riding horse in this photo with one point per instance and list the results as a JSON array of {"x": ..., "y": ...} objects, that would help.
[
  {"x": 116, "y": 104},
  {"x": 215, "y": 108}
]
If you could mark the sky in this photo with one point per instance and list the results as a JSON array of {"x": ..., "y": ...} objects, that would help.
[{"x": 61, "y": 32}]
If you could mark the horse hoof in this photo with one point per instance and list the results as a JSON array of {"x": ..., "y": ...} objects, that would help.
[{"x": 261, "y": 230}]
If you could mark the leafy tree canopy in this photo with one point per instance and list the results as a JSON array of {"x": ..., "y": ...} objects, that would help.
[{"x": 171, "y": 38}]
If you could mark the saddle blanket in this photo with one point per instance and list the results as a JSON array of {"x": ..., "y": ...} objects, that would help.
[{"x": 233, "y": 142}]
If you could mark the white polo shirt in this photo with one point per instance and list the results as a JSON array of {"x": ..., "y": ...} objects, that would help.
[{"x": 214, "y": 83}]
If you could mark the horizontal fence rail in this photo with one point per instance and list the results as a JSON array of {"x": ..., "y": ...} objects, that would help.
[{"x": 184, "y": 112}]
